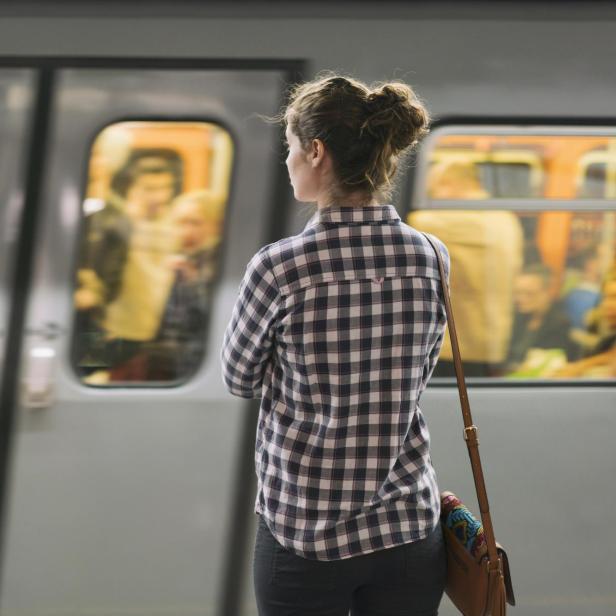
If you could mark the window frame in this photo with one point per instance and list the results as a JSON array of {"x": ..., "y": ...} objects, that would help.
[{"x": 214, "y": 283}]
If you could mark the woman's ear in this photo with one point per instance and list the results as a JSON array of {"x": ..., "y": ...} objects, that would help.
[{"x": 317, "y": 152}]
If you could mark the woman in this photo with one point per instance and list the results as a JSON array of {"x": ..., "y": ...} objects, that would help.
[{"x": 338, "y": 330}]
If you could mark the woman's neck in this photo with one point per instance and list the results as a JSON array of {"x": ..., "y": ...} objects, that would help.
[{"x": 347, "y": 202}]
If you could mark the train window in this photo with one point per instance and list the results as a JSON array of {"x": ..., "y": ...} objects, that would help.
[
  {"x": 529, "y": 217},
  {"x": 593, "y": 179},
  {"x": 148, "y": 254}
]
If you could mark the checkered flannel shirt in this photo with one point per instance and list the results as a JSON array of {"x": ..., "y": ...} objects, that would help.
[{"x": 338, "y": 330}]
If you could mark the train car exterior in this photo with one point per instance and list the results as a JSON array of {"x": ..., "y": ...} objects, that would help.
[{"x": 127, "y": 492}]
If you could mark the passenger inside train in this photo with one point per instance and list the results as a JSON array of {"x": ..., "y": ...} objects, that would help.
[
  {"x": 539, "y": 321},
  {"x": 123, "y": 256},
  {"x": 148, "y": 186},
  {"x": 485, "y": 248},
  {"x": 176, "y": 349},
  {"x": 599, "y": 360}
]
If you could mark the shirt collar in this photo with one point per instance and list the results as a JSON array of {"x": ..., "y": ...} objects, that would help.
[{"x": 342, "y": 214}]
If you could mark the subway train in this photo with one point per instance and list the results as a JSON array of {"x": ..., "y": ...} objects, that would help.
[{"x": 127, "y": 469}]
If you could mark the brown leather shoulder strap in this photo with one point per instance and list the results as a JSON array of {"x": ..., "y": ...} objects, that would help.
[{"x": 470, "y": 430}]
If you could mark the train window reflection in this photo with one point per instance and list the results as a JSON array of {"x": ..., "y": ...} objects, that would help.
[
  {"x": 148, "y": 254},
  {"x": 533, "y": 284}
]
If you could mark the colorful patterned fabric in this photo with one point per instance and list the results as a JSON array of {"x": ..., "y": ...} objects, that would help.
[{"x": 457, "y": 517}]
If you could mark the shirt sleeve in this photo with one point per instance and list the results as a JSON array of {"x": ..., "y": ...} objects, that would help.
[{"x": 249, "y": 338}]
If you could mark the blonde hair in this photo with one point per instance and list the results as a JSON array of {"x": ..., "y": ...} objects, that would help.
[
  {"x": 366, "y": 128},
  {"x": 465, "y": 176},
  {"x": 211, "y": 205},
  {"x": 114, "y": 142}
]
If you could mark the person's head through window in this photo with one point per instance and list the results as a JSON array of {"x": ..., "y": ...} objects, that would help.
[
  {"x": 198, "y": 218},
  {"x": 109, "y": 153},
  {"x": 148, "y": 183},
  {"x": 455, "y": 180},
  {"x": 532, "y": 291},
  {"x": 346, "y": 138}
]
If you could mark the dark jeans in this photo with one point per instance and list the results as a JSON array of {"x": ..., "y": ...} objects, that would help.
[{"x": 406, "y": 580}]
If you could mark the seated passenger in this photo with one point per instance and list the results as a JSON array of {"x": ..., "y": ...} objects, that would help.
[
  {"x": 539, "y": 322},
  {"x": 600, "y": 360},
  {"x": 176, "y": 350},
  {"x": 584, "y": 292}
]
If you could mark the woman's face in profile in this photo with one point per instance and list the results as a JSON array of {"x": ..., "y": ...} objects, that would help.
[{"x": 302, "y": 175}]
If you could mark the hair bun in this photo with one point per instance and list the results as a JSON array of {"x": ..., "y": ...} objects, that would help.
[
  {"x": 385, "y": 98},
  {"x": 396, "y": 114}
]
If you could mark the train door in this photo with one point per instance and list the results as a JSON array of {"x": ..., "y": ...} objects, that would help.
[{"x": 156, "y": 188}]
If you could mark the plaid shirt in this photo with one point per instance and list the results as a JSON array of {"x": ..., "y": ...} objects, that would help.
[{"x": 338, "y": 330}]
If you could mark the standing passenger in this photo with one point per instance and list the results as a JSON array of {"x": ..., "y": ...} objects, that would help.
[
  {"x": 121, "y": 258},
  {"x": 102, "y": 247},
  {"x": 486, "y": 249},
  {"x": 148, "y": 186},
  {"x": 178, "y": 347},
  {"x": 338, "y": 330}
]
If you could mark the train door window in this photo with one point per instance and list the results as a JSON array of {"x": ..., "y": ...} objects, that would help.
[
  {"x": 148, "y": 254},
  {"x": 529, "y": 217}
]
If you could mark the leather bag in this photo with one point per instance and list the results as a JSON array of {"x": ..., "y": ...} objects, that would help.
[{"x": 477, "y": 584}]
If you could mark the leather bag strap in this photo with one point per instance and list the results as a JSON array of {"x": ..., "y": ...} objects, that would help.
[{"x": 470, "y": 429}]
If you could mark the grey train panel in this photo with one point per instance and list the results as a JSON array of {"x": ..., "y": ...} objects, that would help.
[
  {"x": 16, "y": 90},
  {"x": 120, "y": 501},
  {"x": 549, "y": 467}
]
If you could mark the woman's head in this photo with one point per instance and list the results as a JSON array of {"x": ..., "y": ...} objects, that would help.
[{"x": 346, "y": 138}]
